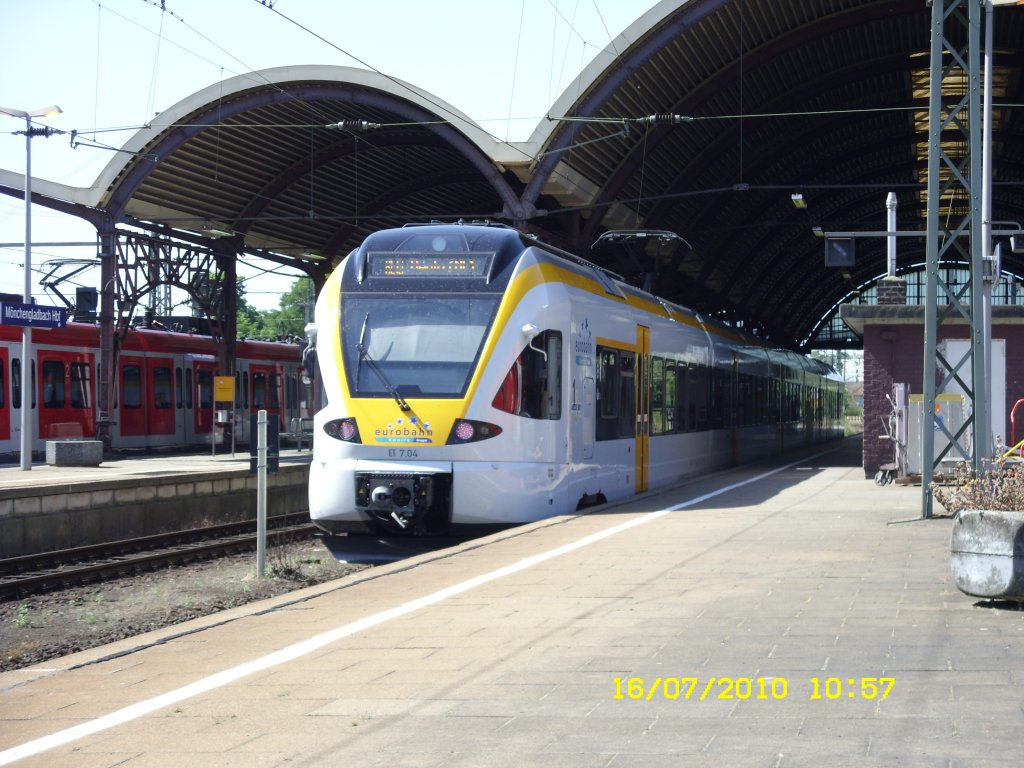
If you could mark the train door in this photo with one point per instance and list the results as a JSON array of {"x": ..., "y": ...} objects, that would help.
[
  {"x": 146, "y": 398},
  {"x": 131, "y": 411},
  {"x": 203, "y": 411},
  {"x": 66, "y": 395},
  {"x": 242, "y": 377},
  {"x": 643, "y": 406},
  {"x": 160, "y": 396},
  {"x": 179, "y": 399},
  {"x": 265, "y": 390},
  {"x": 5, "y": 402},
  {"x": 198, "y": 392},
  {"x": 17, "y": 401}
]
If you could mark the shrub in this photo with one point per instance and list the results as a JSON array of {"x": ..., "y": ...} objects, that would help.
[{"x": 1000, "y": 488}]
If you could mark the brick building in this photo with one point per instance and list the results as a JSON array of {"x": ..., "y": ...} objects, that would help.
[{"x": 893, "y": 336}]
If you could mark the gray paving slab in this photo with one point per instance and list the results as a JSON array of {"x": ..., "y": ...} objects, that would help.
[{"x": 802, "y": 619}]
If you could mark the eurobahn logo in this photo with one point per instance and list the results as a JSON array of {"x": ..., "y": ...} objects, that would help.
[
  {"x": 398, "y": 432},
  {"x": 34, "y": 315}
]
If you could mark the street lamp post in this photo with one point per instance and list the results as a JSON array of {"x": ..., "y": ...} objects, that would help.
[{"x": 26, "y": 331}]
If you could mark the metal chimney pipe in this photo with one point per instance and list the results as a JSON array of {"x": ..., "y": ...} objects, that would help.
[{"x": 890, "y": 208}]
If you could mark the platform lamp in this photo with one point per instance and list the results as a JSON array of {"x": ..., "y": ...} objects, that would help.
[{"x": 26, "y": 331}]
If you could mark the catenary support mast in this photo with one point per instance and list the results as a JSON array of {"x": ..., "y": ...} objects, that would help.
[{"x": 953, "y": 210}]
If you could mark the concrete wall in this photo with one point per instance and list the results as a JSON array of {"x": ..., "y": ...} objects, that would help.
[{"x": 60, "y": 516}]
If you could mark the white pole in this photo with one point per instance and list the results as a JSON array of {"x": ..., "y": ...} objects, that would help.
[
  {"x": 986, "y": 234},
  {"x": 261, "y": 493},
  {"x": 890, "y": 208},
  {"x": 26, "y": 331}
]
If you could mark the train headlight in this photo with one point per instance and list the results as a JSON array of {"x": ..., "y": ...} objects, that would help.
[
  {"x": 469, "y": 431},
  {"x": 343, "y": 429}
]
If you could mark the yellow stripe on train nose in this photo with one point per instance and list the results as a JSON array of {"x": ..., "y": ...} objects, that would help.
[{"x": 426, "y": 423}]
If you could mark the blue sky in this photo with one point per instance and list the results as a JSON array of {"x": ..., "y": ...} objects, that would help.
[{"x": 113, "y": 64}]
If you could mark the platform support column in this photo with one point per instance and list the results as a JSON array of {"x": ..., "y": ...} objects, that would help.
[
  {"x": 954, "y": 217},
  {"x": 105, "y": 375}
]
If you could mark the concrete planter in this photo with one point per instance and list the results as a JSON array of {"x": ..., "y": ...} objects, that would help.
[
  {"x": 74, "y": 453},
  {"x": 987, "y": 553}
]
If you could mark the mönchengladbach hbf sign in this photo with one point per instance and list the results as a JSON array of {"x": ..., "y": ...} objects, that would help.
[{"x": 33, "y": 315}]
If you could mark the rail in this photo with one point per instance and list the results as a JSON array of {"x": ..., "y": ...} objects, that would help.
[{"x": 28, "y": 574}]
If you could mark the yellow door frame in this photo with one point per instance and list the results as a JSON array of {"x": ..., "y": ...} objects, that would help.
[{"x": 643, "y": 406}]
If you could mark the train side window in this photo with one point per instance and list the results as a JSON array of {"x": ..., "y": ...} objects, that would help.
[
  {"x": 627, "y": 394},
  {"x": 691, "y": 394},
  {"x": 721, "y": 399},
  {"x": 162, "y": 390},
  {"x": 274, "y": 390},
  {"x": 305, "y": 396},
  {"x": 616, "y": 394},
  {"x": 131, "y": 386},
  {"x": 607, "y": 376},
  {"x": 698, "y": 387},
  {"x": 542, "y": 376},
  {"x": 671, "y": 422},
  {"x": 3, "y": 383},
  {"x": 16, "y": 383},
  {"x": 607, "y": 394},
  {"x": 53, "y": 384},
  {"x": 188, "y": 388},
  {"x": 204, "y": 381},
  {"x": 177, "y": 386},
  {"x": 532, "y": 388},
  {"x": 81, "y": 385},
  {"x": 658, "y": 396},
  {"x": 259, "y": 391}
]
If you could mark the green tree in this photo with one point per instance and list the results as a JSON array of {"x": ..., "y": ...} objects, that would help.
[
  {"x": 249, "y": 319},
  {"x": 288, "y": 321}
]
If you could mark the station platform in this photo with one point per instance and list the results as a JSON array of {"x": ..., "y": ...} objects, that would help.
[
  {"x": 784, "y": 614},
  {"x": 130, "y": 468},
  {"x": 51, "y": 507}
]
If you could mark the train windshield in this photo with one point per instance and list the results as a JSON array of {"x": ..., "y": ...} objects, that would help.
[{"x": 423, "y": 345}]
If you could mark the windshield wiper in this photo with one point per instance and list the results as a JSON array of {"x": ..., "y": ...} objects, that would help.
[{"x": 364, "y": 355}]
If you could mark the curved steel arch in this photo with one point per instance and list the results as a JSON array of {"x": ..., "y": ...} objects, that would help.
[
  {"x": 561, "y": 139},
  {"x": 176, "y": 137}
]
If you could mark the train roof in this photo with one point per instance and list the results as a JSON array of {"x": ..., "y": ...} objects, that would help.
[{"x": 508, "y": 244}]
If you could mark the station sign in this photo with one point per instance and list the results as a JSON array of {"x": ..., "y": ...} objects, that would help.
[{"x": 34, "y": 315}]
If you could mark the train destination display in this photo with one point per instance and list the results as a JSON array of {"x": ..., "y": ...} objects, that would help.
[{"x": 428, "y": 265}]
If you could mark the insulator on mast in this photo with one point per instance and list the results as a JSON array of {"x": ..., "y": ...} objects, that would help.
[{"x": 355, "y": 126}]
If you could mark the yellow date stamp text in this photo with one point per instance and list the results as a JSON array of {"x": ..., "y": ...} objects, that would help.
[{"x": 743, "y": 688}]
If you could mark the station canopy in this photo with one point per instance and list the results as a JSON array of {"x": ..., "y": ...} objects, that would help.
[{"x": 715, "y": 119}]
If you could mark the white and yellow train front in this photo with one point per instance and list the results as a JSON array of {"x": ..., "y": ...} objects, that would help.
[{"x": 441, "y": 361}]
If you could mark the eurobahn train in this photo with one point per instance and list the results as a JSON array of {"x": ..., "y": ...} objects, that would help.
[
  {"x": 163, "y": 393},
  {"x": 475, "y": 377}
]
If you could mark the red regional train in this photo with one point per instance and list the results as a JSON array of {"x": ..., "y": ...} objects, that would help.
[{"x": 163, "y": 393}]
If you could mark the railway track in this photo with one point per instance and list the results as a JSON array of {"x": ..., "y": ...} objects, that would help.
[{"x": 31, "y": 574}]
